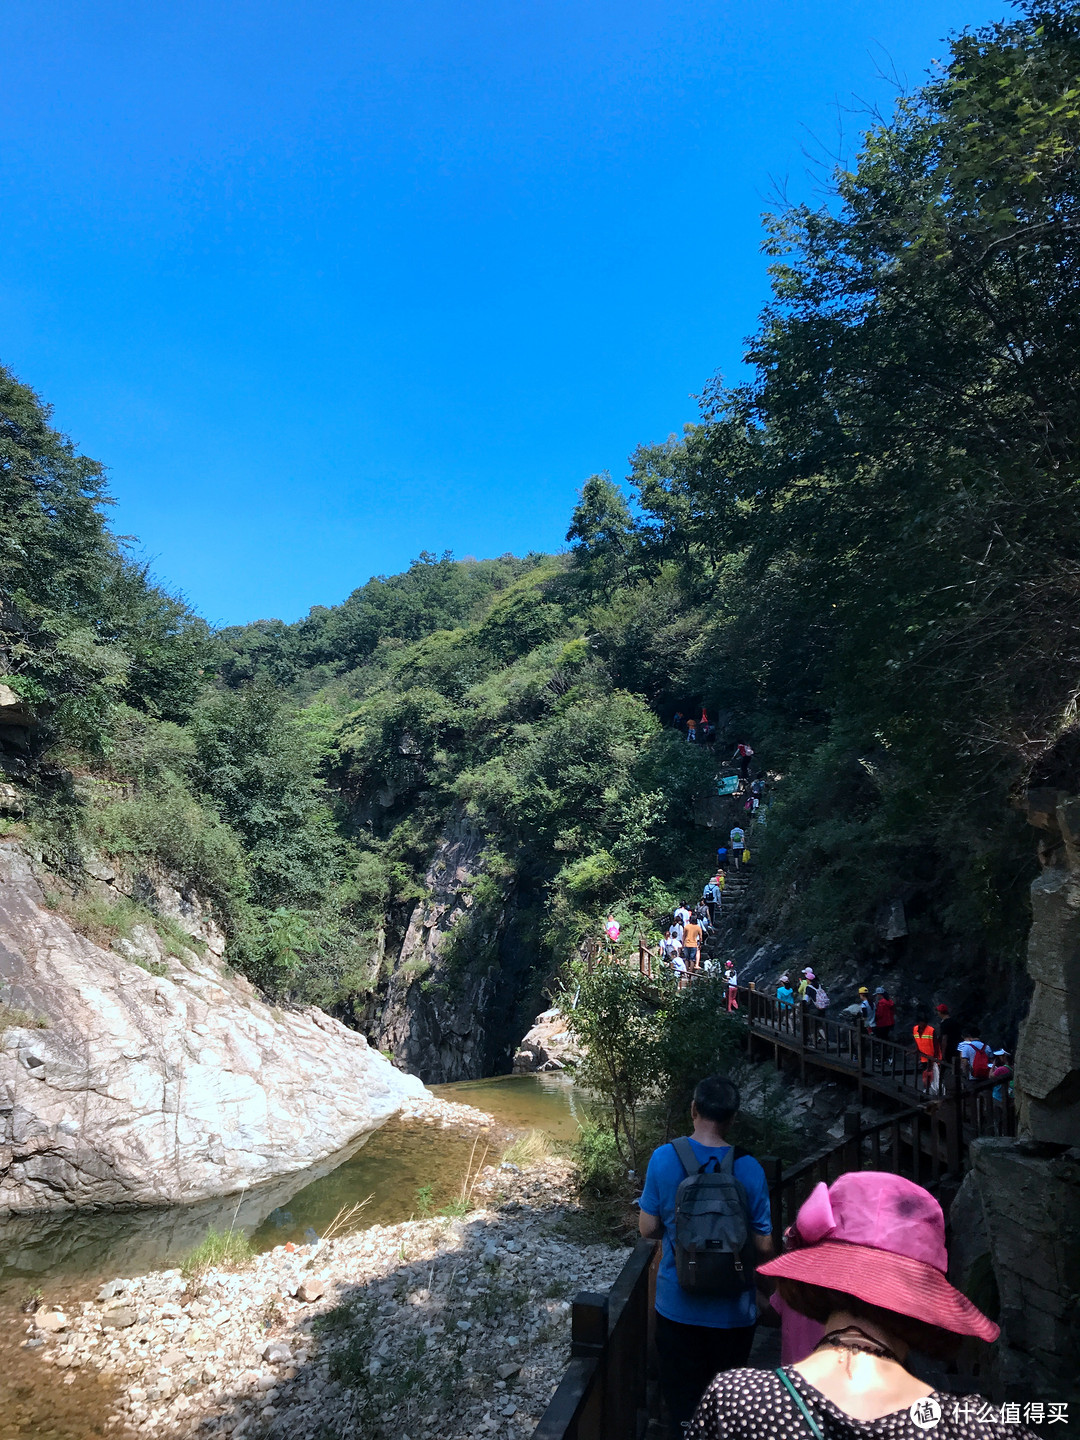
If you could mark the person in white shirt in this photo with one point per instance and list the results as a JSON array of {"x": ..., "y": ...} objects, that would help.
[
  {"x": 732, "y": 978},
  {"x": 970, "y": 1047}
]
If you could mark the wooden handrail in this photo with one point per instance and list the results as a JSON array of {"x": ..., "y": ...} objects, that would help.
[{"x": 602, "y": 1393}]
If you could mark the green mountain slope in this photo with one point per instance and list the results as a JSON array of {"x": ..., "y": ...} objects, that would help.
[{"x": 415, "y": 805}]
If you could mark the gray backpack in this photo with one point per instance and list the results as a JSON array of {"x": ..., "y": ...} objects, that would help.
[{"x": 715, "y": 1252}]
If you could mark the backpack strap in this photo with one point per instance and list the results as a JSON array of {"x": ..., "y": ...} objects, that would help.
[
  {"x": 815, "y": 1428},
  {"x": 693, "y": 1166},
  {"x": 687, "y": 1159}
]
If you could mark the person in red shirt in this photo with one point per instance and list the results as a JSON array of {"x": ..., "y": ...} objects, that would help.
[{"x": 884, "y": 1014}]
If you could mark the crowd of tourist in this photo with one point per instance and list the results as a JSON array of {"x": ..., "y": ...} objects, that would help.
[
  {"x": 861, "y": 1279},
  {"x": 685, "y": 947}
]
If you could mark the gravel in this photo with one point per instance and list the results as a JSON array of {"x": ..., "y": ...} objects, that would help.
[{"x": 442, "y": 1327}]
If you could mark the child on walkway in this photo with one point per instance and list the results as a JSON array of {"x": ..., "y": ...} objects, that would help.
[{"x": 732, "y": 979}]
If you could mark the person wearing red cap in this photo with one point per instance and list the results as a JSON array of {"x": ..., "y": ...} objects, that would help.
[{"x": 866, "y": 1257}]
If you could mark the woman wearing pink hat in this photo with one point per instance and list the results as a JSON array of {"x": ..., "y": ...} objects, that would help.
[{"x": 866, "y": 1257}]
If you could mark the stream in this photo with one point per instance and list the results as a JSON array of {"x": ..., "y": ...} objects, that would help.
[
  {"x": 390, "y": 1165},
  {"x": 61, "y": 1257}
]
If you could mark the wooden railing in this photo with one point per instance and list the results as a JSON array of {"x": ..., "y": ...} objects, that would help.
[
  {"x": 814, "y": 1038},
  {"x": 836, "y": 1043},
  {"x": 602, "y": 1395},
  {"x": 926, "y": 1143}
]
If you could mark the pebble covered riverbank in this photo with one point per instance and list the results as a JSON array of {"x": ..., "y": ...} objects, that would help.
[{"x": 447, "y": 1327}]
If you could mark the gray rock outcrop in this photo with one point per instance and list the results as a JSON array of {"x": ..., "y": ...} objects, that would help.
[
  {"x": 1030, "y": 1207},
  {"x": 460, "y": 977},
  {"x": 1048, "y": 1052},
  {"x": 1018, "y": 1211},
  {"x": 547, "y": 1046},
  {"x": 147, "y": 1079}
]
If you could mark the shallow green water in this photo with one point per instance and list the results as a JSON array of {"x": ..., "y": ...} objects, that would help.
[
  {"x": 399, "y": 1159},
  {"x": 389, "y": 1167},
  {"x": 531, "y": 1102}
]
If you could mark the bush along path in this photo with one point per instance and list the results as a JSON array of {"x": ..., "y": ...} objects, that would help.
[{"x": 455, "y": 1327}]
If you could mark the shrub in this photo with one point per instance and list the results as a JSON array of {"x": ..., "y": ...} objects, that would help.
[
  {"x": 13, "y": 1018},
  {"x": 222, "y": 1249},
  {"x": 601, "y": 1170},
  {"x": 104, "y": 921},
  {"x": 167, "y": 824}
]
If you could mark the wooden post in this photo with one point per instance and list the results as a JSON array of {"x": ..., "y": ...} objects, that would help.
[
  {"x": 853, "y": 1138},
  {"x": 954, "y": 1120},
  {"x": 802, "y": 1042},
  {"x": 588, "y": 1323},
  {"x": 861, "y": 1058},
  {"x": 774, "y": 1175}
]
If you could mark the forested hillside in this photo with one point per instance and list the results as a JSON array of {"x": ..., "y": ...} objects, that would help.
[{"x": 865, "y": 561}]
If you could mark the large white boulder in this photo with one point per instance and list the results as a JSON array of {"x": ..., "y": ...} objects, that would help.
[{"x": 154, "y": 1089}]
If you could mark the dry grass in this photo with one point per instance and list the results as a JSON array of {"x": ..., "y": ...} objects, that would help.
[
  {"x": 528, "y": 1149},
  {"x": 12, "y": 1018},
  {"x": 342, "y": 1223},
  {"x": 463, "y": 1203}
]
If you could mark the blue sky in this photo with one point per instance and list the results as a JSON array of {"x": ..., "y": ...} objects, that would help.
[{"x": 326, "y": 284}]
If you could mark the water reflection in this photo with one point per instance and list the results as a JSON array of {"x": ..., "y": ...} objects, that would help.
[{"x": 389, "y": 1166}]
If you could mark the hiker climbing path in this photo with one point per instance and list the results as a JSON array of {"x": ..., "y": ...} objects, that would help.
[{"x": 730, "y": 915}]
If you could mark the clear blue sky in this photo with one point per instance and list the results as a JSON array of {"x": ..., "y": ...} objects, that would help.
[{"x": 329, "y": 282}]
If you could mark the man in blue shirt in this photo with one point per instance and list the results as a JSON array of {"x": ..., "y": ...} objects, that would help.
[{"x": 699, "y": 1335}]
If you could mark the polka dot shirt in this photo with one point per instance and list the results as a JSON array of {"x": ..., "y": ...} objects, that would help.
[{"x": 756, "y": 1405}]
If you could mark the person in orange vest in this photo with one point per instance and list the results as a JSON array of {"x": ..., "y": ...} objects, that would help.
[{"x": 926, "y": 1042}]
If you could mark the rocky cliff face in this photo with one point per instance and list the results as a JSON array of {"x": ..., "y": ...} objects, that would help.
[
  {"x": 1019, "y": 1206},
  {"x": 461, "y": 987},
  {"x": 145, "y": 1078}
]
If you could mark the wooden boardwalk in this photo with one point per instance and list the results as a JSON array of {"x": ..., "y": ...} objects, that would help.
[
  {"x": 846, "y": 1049},
  {"x": 841, "y": 1047},
  {"x": 603, "y": 1393}
]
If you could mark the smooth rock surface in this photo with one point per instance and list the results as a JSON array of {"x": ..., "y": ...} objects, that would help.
[{"x": 156, "y": 1089}]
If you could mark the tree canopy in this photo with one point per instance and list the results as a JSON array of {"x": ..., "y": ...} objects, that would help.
[{"x": 865, "y": 559}]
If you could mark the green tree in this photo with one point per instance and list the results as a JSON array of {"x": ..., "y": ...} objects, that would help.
[
  {"x": 258, "y": 767},
  {"x": 603, "y": 534}
]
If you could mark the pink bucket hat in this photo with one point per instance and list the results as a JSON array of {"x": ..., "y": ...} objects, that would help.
[{"x": 881, "y": 1238}]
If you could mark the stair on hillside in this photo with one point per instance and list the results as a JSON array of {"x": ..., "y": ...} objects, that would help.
[{"x": 736, "y": 903}]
